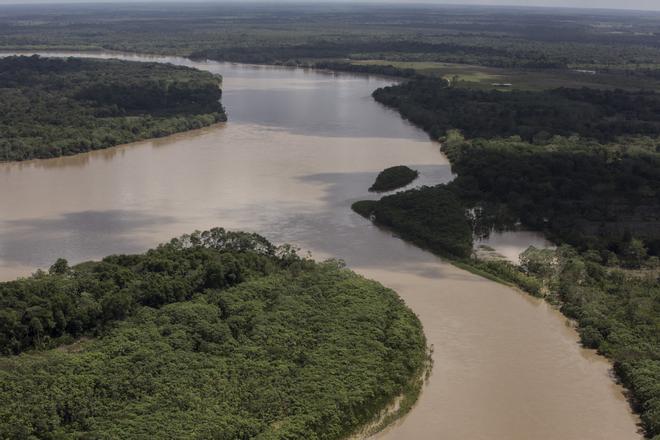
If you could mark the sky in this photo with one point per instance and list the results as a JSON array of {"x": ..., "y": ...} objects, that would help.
[{"x": 611, "y": 4}]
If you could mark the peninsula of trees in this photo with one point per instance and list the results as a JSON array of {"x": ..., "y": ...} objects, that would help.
[
  {"x": 216, "y": 334},
  {"x": 55, "y": 107}
]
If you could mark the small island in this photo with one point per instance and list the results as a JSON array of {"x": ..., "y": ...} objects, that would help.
[
  {"x": 218, "y": 333},
  {"x": 53, "y": 107},
  {"x": 394, "y": 177}
]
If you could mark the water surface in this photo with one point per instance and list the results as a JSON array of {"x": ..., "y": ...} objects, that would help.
[{"x": 300, "y": 147}]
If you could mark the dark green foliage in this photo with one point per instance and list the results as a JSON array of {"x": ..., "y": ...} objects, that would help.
[
  {"x": 214, "y": 335},
  {"x": 393, "y": 178},
  {"x": 579, "y": 189},
  {"x": 432, "y": 217},
  {"x": 365, "y": 208},
  {"x": 587, "y": 194},
  {"x": 44, "y": 310},
  {"x": 534, "y": 116},
  {"x": 55, "y": 107}
]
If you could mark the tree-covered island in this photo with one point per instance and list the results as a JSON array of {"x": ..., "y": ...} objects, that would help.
[{"x": 394, "y": 177}]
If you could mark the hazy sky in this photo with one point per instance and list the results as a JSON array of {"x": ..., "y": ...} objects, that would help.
[{"x": 616, "y": 4}]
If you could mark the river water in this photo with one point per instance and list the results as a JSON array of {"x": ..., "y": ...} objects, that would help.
[{"x": 300, "y": 147}]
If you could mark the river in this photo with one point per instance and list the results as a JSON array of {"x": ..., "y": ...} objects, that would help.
[{"x": 300, "y": 146}]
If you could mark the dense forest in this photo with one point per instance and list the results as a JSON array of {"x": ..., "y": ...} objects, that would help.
[
  {"x": 53, "y": 107},
  {"x": 604, "y": 115},
  {"x": 393, "y": 178},
  {"x": 594, "y": 196},
  {"x": 215, "y": 334},
  {"x": 580, "y": 164},
  {"x": 519, "y": 38},
  {"x": 432, "y": 217}
]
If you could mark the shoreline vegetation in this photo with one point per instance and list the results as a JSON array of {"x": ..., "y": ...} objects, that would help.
[
  {"x": 614, "y": 308},
  {"x": 52, "y": 107},
  {"x": 213, "y": 332},
  {"x": 394, "y": 178},
  {"x": 595, "y": 194}
]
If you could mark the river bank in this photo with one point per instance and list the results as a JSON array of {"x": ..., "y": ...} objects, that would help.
[{"x": 506, "y": 366}]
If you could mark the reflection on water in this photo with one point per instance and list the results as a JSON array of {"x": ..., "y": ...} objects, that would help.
[{"x": 506, "y": 366}]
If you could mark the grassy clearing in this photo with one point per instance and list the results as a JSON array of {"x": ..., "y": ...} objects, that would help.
[{"x": 480, "y": 77}]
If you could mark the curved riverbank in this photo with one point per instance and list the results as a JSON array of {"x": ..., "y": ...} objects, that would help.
[
  {"x": 506, "y": 366},
  {"x": 98, "y": 104}
]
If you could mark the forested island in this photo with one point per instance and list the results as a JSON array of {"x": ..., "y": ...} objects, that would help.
[
  {"x": 394, "y": 177},
  {"x": 56, "y": 107},
  {"x": 215, "y": 334}
]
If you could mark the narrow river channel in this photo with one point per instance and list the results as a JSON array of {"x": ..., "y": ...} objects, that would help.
[{"x": 300, "y": 146}]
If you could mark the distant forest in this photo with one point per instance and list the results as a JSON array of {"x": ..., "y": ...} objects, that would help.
[
  {"x": 53, "y": 107},
  {"x": 284, "y": 33}
]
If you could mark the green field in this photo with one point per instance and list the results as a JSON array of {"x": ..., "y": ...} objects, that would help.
[{"x": 483, "y": 77}]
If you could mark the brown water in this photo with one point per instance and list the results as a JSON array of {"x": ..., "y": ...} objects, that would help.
[{"x": 299, "y": 148}]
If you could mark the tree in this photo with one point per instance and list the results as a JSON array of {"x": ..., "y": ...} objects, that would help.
[{"x": 60, "y": 267}]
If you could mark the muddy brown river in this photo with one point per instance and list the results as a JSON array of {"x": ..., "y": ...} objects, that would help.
[{"x": 300, "y": 147}]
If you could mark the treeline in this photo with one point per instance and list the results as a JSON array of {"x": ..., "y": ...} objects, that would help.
[
  {"x": 215, "y": 334},
  {"x": 535, "y": 116},
  {"x": 327, "y": 49},
  {"x": 372, "y": 69},
  {"x": 52, "y": 107},
  {"x": 450, "y": 51}
]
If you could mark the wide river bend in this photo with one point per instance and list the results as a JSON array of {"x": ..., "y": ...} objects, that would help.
[{"x": 300, "y": 146}]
